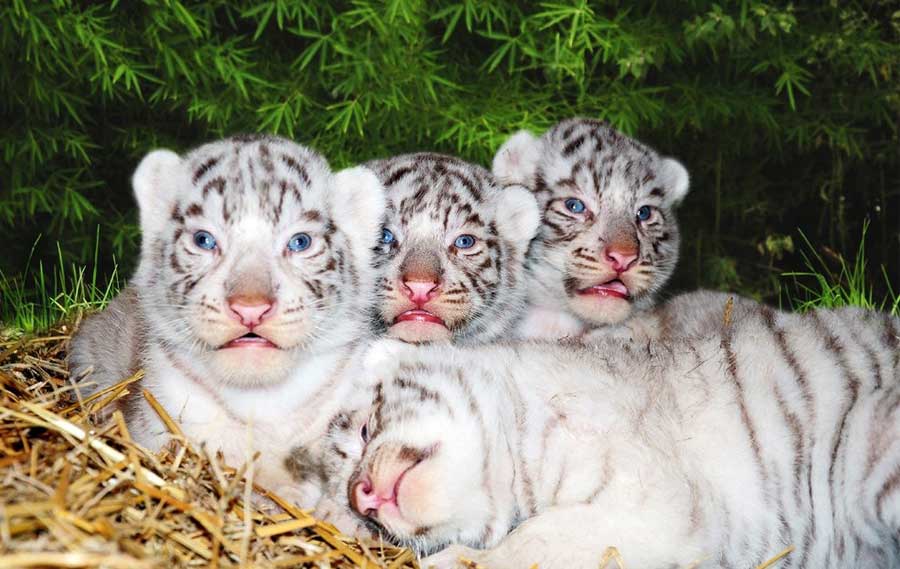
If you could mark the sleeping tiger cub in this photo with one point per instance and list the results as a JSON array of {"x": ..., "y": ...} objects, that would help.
[
  {"x": 609, "y": 238},
  {"x": 249, "y": 300},
  {"x": 783, "y": 431},
  {"x": 452, "y": 253}
]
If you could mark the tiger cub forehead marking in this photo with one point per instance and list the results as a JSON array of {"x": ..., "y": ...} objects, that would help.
[
  {"x": 436, "y": 188},
  {"x": 609, "y": 239},
  {"x": 595, "y": 159},
  {"x": 452, "y": 255},
  {"x": 255, "y": 176}
]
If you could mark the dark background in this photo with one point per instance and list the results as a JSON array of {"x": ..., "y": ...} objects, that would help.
[{"x": 785, "y": 114}]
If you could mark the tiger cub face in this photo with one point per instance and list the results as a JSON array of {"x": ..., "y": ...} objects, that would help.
[
  {"x": 451, "y": 257},
  {"x": 426, "y": 428},
  {"x": 609, "y": 238},
  {"x": 254, "y": 254}
]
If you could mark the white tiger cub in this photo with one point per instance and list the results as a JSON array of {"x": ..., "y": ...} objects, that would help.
[
  {"x": 249, "y": 300},
  {"x": 609, "y": 238},
  {"x": 783, "y": 431},
  {"x": 452, "y": 253}
]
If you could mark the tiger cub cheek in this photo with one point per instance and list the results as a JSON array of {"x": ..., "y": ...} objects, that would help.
[{"x": 427, "y": 496}]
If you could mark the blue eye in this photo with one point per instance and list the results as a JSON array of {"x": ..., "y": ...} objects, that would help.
[
  {"x": 205, "y": 240},
  {"x": 386, "y": 236},
  {"x": 575, "y": 205},
  {"x": 464, "y": 242},
  {"x": 299, "y": 242},
  {"x": 643, "y": 213}
]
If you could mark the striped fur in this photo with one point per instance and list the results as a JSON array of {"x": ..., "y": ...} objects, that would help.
[
  {"x": 779, "y": 430},
  {"x": 694, "y": 314},
  {"x": 434, "y": 199},
  {"x": 570, "y": 264},
  {"x": 252, "y": 194}
]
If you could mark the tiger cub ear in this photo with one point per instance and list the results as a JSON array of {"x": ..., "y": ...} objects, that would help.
[
  {"x": 356, "y": 204},
  {"x": 675, "y": 179},
  {"x": 518, "y": 216},
  {"x": 516, "y": 161},
  {"x": 156, "y": 182}
]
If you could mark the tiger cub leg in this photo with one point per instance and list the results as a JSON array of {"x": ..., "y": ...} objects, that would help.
[{"x": 570, "y": 537}]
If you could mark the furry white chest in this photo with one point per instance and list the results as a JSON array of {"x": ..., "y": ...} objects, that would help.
[{"x": 242, "y": 421}]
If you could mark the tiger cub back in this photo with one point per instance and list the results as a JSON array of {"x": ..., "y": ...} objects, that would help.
[
  {"x": 781, "y": 431},
  {"x": 609, "y": 238}
]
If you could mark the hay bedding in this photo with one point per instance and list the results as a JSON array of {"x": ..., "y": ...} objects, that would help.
[{"x": 76, "y": 492}]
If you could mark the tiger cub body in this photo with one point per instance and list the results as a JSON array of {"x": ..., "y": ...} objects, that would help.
[
  {"x": 609, "y": 238},
  {"x": 451, "y": 260},
  {"x": 784, "y": 430},
  {"x": 249, "y": 299}
]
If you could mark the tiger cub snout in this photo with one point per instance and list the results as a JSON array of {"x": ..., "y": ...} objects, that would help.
[{"x": 374, "y": 491}]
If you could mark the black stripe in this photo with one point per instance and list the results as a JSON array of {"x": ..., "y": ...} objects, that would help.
[{"x": 204, "y": 168}]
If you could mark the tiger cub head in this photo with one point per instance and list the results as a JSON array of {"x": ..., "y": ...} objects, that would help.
[
  {"x": 451, "y": 257},
  {"x": 430, "y": 466},
  {"x": 254, "y": 254},
  {"x": 609, "y": 238}
]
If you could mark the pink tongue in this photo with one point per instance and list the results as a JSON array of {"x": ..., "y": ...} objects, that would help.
[{"x": 616, "y": 286}]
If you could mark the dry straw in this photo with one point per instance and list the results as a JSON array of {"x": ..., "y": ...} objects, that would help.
[{"x": 75, "y": 491}]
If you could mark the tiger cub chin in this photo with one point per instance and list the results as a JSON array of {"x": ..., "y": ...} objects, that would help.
[
  {"x": 721, "y": 452},
  {"x": 609, "y": 238},
  {"x": 251, "y": 293},
  {"x": 694, "y": 314},
  {"x": 452, "y": 253}
]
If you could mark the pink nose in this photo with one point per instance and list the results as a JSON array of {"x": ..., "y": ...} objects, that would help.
[
  {"x": 420, "y": 292},
  {"x": 620, "y": 259},
  {"x": 250, "y": 313},
  {"x": 366, "y": 500}
]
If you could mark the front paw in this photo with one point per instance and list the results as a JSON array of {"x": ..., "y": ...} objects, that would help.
[
  {"x": 453, "y": 557},
  {"x": 383, "y": 353}
]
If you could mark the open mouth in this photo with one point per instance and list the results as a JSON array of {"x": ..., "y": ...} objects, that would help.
[
  {"x": 250, "y": 340},
  {"x": 614, "y": 288},
  {"x": 419, "y": 315}
]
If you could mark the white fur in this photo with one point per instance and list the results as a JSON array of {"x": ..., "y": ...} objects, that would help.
[
  {"x": 714, "y": 452},
  {"x": 252, "y": 194},
  {"x": 675, "y": 176},
  {"x": 517, "y": 214},
  {"x": 357, "y": 206},
  {"x": 517, "y": 159},
  {"x": 613, "y": 176},
  {"x": 156, "y": 182},
  {"x": 433, "y": 200}
]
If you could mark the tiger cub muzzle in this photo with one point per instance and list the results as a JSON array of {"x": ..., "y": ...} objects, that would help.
[
  {"x": 420, "y": 305},
  {"x": 392, "y": 488},
  {"x": 605, "y": 275}
]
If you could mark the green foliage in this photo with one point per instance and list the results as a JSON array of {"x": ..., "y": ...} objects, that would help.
[
  {"x": 40, "y": 298},
  {"x": 784, "y": 113},
  {"x": 840, "y": 283}
]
